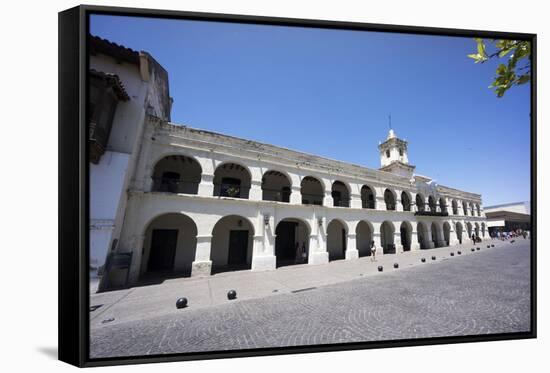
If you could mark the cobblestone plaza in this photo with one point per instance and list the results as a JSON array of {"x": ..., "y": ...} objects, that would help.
[{"x": 480, "y": 292}]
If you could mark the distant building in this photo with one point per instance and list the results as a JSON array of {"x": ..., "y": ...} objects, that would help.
[
  {"x": 180, "y": 201},
  {"x": 509, "y": 217}
]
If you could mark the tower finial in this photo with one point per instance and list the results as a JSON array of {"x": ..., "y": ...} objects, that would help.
[{"x": 389, "y": 117}]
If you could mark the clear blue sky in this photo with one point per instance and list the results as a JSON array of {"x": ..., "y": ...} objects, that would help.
[{"x": 329, "y": 92}]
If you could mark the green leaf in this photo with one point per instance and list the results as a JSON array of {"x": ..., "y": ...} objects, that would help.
[{"x": 524, "y": 79}]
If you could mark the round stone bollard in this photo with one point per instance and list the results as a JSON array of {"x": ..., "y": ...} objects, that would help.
[
  {"x": 423, "y": 260},
  {"x": 380, "y": 268},
  {"x": 181, "y": 303},
  {"x": 395, "y": 265},
  {"x": 488, "y": 246},
  {"x": 492, "y": 245},
  {"x": 477, "y": 248},
  {"x": 433, "y": 257},
  {"x": 231, "y": 294},
  {"x": 452, "y": 254},
  {"x": 459, "y": 252},
  {"x": 473, "y": 249}
]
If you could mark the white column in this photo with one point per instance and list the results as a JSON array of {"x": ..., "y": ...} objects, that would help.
[
  {"x": 328, "y": 200},
  {"x": 378, "y": 242},
  {"x": 263, "y": 250},
  {"x": 206, "y": 186},
  {"x": 137, "y": 242},
  {"x": 380, "y": 203},
  {"x": 318, "y": 253},
  {"x": 296, "y": 195},
  {"x": 414, "y": 241},
  {"x": 428, "y": 239},
  {"x": 356, "y": 202},
  {"x": 351, "y": 247},
  {"x": 255, "y": 192},
  {"x": 202, "y": 265}
]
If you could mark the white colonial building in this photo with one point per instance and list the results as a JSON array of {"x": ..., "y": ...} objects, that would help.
[{"x": 196, "y": 202}]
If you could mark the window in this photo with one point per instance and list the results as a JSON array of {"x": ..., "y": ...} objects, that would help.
[
  {"x": 400, "y": 152},
  {"x": 387, "y": 153}
]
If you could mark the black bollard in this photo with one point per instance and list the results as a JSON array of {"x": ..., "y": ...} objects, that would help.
[
  {"x": 477, "y": 248},
  {"x": 395, "y": 265},
  {"x": 423, "y": 260},
  {"x": 473, "y": 249},
  {"x": 452, "y": 254},
  {"x": 459, "y": 252},
  {"x": 492, "y": 245},
  {"x": 231, "y": 294},
  {"x": 433, "y": 257},
  {"x": 488, "y": 246},
  {"x": 181, "y": 303},
  {"x": 380, "y": 268}
]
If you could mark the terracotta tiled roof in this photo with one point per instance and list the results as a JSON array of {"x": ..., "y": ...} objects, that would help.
[
  {"x": 115, "y": 82},
  {"x": 98, "y": 45}
]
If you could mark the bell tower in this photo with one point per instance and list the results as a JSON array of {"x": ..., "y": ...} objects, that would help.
[{"x": 393, "y": 156}]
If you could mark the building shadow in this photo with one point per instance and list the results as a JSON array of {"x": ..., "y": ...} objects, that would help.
[{"x": 50, "y": 352}]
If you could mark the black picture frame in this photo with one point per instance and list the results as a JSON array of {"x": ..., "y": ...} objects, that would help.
[{"x": 74, "y": 192}]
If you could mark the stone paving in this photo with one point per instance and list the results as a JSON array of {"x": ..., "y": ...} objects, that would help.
[{"x": 481, "y": 292}]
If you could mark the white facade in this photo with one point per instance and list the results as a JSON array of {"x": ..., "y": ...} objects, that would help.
[{"x": 189, "y": 202}]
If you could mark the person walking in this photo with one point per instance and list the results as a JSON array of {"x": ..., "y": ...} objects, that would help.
[
  {"x": 373, "y": 251},
  {"x": 474, "y": 238}
]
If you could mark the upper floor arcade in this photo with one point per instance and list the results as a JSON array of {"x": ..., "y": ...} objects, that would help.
[{"x": 182, "y": 160}]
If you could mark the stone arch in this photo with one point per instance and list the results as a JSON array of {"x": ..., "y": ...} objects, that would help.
[
  {"x": 406, "y": 235},
  {"x": 483, "y": 230},
  {"x": 312, "y": 190},
  {"x": 447, "y": 233},
  {"x": 459, "y": 230},
  {"x": 389, "y": 199},
  {"x": 337, "y": 236},
  {"x": 387, "y": 235},
  {"x": 368, "y": 197},
  {"x": 292, "y": 241},
  {"x": 232, "y": 179},
  {"x": 176, "y": 173},
  {"x": 276, "y": 186},
  {"x": 432, "y": 203},
  {"x": 232, "y": 244},
  {"x": 437, "y": 235},
  {"x": 478, "y": 209},
  {"x": 169, "y": 246},
  {"x": 340, "y": 194},
  {"x": 364, "y": 233},
  {"x": 476, "y": 229},
  {"x": 442, "y": 204},
  {"x": 455, "y": 207},
  {"x": 464, "y": 208},
  {"x": 406, "y": 200},
  {"x": 420, "y": 202}
]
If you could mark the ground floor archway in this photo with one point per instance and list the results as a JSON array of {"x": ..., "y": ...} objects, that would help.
[
  {"x": 336, "y": 240},
  {"x": 406, "y": 235},
  {"x": 169, "y": 246},
  {"x": 291, "y": 242},
  {"x": 232, "y": 242},
  {"x": 459, "y": 230},
  {"x": 387, "y": 232},
  {"x": 363, "y": 238},
  {"x": 469, "y": 229},
  {"x": 447, "y": 233}
]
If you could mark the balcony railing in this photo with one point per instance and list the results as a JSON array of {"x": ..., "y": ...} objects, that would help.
[
  {"x": 162, "y": 184},
  {"x": 341, "y": 202},
  {"x": 230, "y": 190},
  {"x": 276, "y": 195},
  {"x": 312, "y": 199},
  {"x": 431, "y": 213}
]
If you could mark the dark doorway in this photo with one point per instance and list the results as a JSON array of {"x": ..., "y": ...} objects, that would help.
[
  {"x": 405, "y": 239},
  {"x": 163, "y": 250},
  {"x": 285, "y": 243},
  {"x": 238, "y": 247}
]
